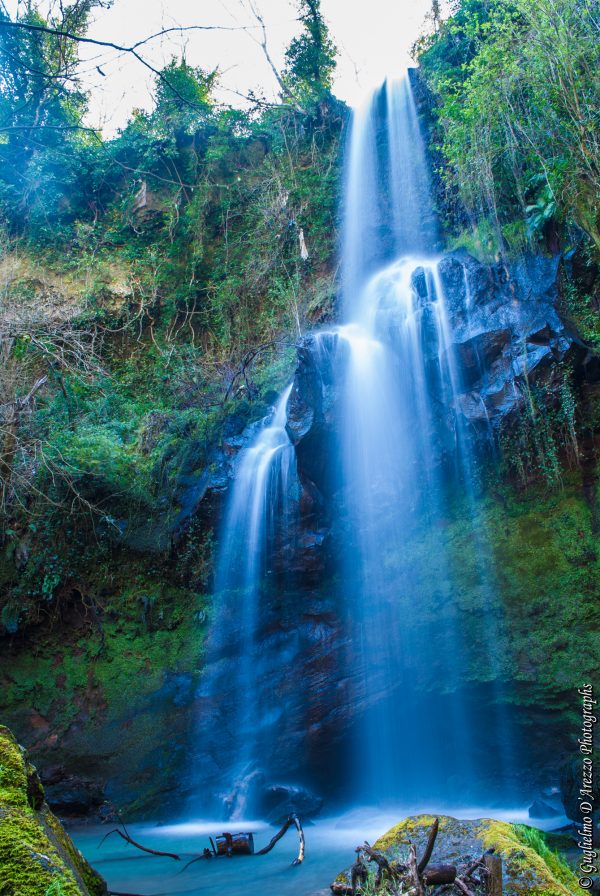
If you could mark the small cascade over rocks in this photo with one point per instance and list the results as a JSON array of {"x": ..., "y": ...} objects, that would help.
[{"x": 341, "y": 645}]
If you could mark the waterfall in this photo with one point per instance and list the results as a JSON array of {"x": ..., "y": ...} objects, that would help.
[
  {"x": 257, "y": 516},
  {"x": 401, "y": 446},
  {"x": 401, "y": 386}
]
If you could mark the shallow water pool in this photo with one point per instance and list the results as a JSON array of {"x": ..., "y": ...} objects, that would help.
[{"x": 330, "y": 845}]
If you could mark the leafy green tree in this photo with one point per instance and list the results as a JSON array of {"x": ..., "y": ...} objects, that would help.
[
  {"x": 43, "y": 145},
  {"x": 311, "y": 56},
  {"x": 183, "y": 101}
]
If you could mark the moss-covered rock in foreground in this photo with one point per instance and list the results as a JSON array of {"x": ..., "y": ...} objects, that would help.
[
  {"x": 37, "y": 857},
  {"x": 529, "y": 865}
]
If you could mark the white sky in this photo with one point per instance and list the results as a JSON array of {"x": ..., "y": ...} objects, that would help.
[{"x": 373, "y": 37}]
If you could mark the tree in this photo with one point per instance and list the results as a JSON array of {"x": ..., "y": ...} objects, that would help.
[
  {"x": 311, "y": 56},
  {"x": 41, "y": 108},
  {"x": 176, "y": 81}
]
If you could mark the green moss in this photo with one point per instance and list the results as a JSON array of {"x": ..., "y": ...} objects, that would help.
[
  {"x": 532, "y": 873},
  {"x": 29, "y": 865},
  {"x": 37, "y": 857},
  {"x": 13, "y": 775},
  {"x": 402, "y": 832},
  {"x": 540, "y": 843}
]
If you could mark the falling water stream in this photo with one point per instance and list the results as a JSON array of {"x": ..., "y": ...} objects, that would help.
[{"x": 258, "y": 510}]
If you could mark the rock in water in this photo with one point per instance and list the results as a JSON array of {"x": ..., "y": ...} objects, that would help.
[
  {"x": 525, "y": 870},
  {"x": 37, "y": 856},
  {"x": 540, "y": 809},
  {"x": 279, "y": 801}
]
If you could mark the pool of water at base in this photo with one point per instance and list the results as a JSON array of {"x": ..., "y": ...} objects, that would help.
[{"x": 330, "y": 845}]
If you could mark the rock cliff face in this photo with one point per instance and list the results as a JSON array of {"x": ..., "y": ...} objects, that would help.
[
  {"x": 506, "y": 335},
  {"x": 122, "y": 700}
]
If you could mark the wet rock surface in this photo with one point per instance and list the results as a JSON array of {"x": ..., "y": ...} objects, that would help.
[
  {"x": 570, "y": 787},
  {"x": 505, "y": 335}
]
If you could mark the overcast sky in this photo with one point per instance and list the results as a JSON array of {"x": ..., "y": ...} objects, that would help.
[{"x": 373, "y": 37}]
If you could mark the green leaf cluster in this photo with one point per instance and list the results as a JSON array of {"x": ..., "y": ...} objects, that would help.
[{"x": 517, "y": 95}]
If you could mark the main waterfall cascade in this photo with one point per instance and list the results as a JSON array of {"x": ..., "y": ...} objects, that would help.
[{"x": 400, "y": 441}]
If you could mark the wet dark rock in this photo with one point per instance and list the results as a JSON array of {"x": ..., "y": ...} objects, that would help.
[
  {"x": 452, "y": 274},
  {"x": 505, "y": 329},
  {"x": 419, "y": 282},
  {"x": 571, "y": 776},
  {"x": 278, "y": 801},
  {"x": 541, "y": 809},
  {"x": 72, "y": 796},
  {"x": 313, "y": 413}
]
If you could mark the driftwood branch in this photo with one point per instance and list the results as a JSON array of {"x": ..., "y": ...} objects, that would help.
[
  {"x": 292, "y": 820},
  {"x": 436, "y": 875},
  {"x": 128, "y": 839},
  {"x": 493, "y": 874},
  {"x": 206, "y": 854},
  {"x": 461, "y": 885},
  {"x": 429, "y": 848},
  {"x": 412, "y": 879},
  {"x": 358, "y": 873},
  {"x": 413, "y": 871}
]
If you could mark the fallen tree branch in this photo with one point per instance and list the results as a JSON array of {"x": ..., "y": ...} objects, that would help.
[
  {"x": 117, "y": 893},
  {"x": 206, "y": 854},
  {"x": 429, "y": 848},
  {"x": 470, "y": 869},
  {"x": 128, "y": 839},
  {"x": 358, "y": 872},
  {"x": 293, "y": 819},
  {"x": 458, "y": 883},
  {"x": 413, "y": 871},
  {"x": 383, "y": 866},
  {"x": 439, "y": 874}
]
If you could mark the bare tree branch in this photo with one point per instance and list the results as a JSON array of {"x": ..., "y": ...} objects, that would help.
[{"x": 68, "y": 35}]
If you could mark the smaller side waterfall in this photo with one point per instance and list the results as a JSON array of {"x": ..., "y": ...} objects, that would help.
[{"x": 257, "y": 520}]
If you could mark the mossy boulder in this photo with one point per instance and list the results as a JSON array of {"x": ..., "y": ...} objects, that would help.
[
  {"x": 37, "y": 857},
  {"x": 529, "y": 865}
]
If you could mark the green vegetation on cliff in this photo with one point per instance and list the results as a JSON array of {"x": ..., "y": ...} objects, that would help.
[
  {"x": 516, "y": 94},
  {"x": 152, "y": 285}
]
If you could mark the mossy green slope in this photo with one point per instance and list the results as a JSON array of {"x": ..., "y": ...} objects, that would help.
[
  {"x": 37, "y": 857},
  {"x": 112, "y": 688}
]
